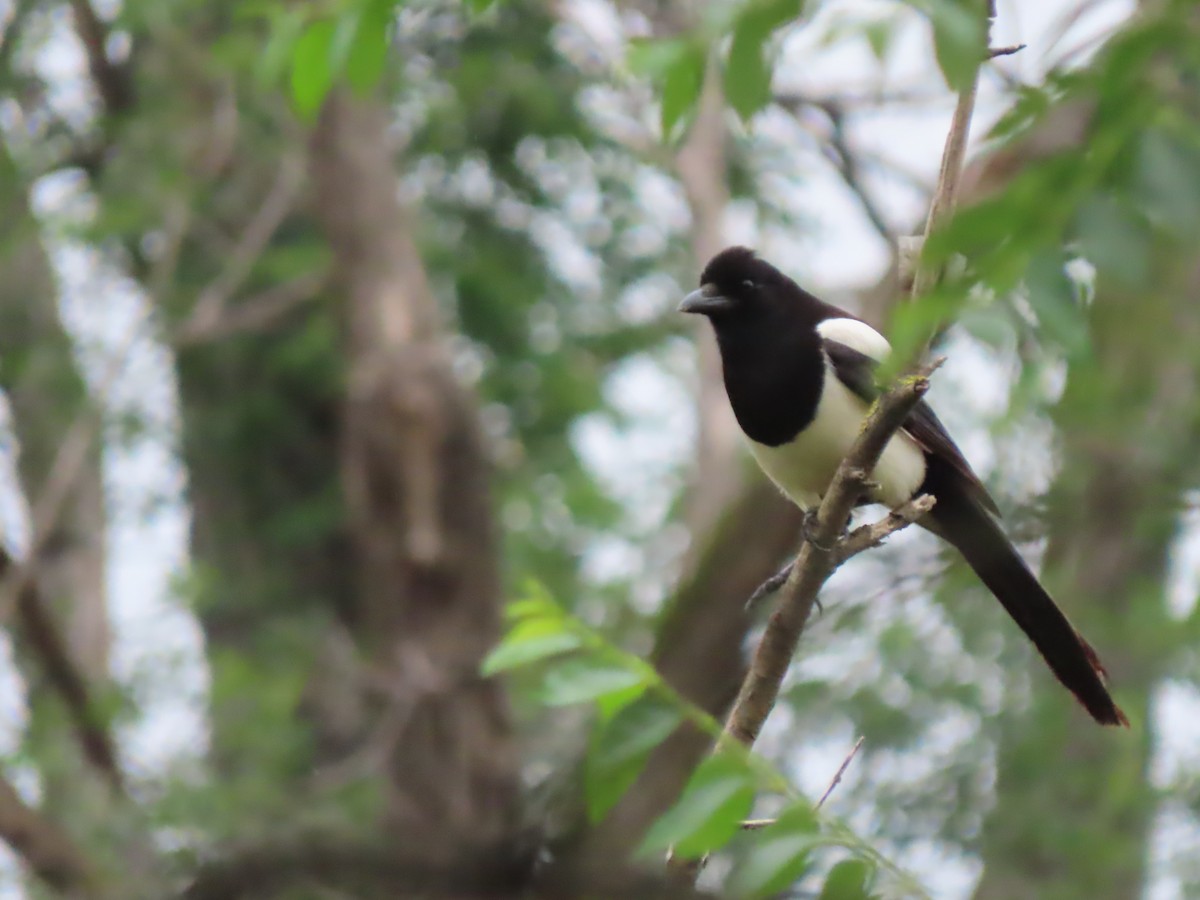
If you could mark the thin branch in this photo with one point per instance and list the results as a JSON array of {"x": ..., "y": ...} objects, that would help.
[
  {"x": 43, "y": 846},
  {"x": 945, "y": 196},
  {"x": 112, "y": 81},
  {"x": 860, "y": 539},
  {"x": 255, "y": 313},
  {"x": 874, "y": 534},
  {"x": 44, "y": 638},
  {"x": 843, "y": 159},
  {"x": 254, "y": 238},
  {"x": 63, "y": 477},
  {"x": 837, "y": 776},
  {"x": 1005, "y": 51}
]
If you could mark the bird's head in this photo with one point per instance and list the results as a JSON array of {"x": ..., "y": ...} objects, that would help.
[{"x": 735, "y": 285}]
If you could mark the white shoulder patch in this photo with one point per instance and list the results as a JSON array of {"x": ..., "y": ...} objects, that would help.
[{"x": 857, "y": 336}]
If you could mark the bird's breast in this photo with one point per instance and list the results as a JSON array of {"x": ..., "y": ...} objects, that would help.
[{"x": 803, "y": 466}]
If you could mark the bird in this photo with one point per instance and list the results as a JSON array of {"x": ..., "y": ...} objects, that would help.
[{"x": 800, "y": 375}]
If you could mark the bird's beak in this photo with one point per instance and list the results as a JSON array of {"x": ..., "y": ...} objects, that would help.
[{"x": 705, "y": 301}]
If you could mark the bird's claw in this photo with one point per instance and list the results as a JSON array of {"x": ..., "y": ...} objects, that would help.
[
  {"x": 771, "y": 585},
  {"x": 809, "y": 529}
]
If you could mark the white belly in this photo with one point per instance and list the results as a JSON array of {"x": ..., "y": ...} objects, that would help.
[{"x": 803, "y": 468}]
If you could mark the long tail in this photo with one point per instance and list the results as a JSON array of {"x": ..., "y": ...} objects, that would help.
[{"x": 961, "y": 520}]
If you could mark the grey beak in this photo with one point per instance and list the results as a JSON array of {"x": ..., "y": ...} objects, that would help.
[{"x": 705, "y": 301}]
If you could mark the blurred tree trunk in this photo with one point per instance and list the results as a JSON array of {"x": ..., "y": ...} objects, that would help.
[
  {"x": 701, "y": 166},
  {"x": 1129, "y": 423},
  {"x": 415, "y": 473},
  {"x": 46, "y": 394}
]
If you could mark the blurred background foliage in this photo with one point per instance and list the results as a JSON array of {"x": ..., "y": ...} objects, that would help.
[{"x": 565, "y": 169}]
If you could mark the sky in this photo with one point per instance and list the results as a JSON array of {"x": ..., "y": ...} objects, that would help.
[{"x": 158, "y": 646}]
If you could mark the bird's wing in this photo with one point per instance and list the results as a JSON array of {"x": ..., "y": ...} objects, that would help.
[{"x": 856, "y": 370}]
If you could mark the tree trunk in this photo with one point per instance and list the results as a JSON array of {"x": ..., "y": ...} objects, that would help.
[{"x": 415, "y": 473}]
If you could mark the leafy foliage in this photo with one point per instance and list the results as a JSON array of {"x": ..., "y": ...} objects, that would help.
[{"x": 638, "y": 711}]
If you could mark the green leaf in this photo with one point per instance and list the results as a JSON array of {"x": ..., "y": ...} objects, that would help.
[
  {"x": 959, "y": 38},
  {"x": 369, "y": 54},
  {"x": 879, "y": 34},
  {"x": 847, "y": 881},
  {"x": 612, "y": 703},
  {"x": 778, "y": 855},
  {"x": 276, "y": 54},
  {"x": 714, "y": 803},
  {"x": 311, "y": 71},
  {"x": 747, "y": 75},
  {"x": 529, "y": 642},
  {"x": 583, "y": 679},
  {"x": 1052, "y": 296},
  {"x": 1167, "y": 181},
  {"x": 1114, "y": 241},
  {"x": 681, "y": 87},
  {"x": 620, "y": 747},
  {"x": 653, "y": 58},
  {"x": 480, "y": 6}
]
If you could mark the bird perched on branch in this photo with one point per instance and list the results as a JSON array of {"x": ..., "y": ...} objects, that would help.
[{"x": 800, "y": 376}]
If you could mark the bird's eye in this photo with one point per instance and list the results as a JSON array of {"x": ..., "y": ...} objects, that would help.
[{"x": 750, "y": 284}]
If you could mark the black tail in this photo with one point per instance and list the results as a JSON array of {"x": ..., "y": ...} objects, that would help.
[{"x": 959, "y": 519}]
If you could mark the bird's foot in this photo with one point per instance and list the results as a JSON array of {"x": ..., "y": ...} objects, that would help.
[
  {"x": 771, "y": 585},
  {"x": 809, "y": 529}
]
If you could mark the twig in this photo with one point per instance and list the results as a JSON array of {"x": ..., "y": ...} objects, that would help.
[
  {"x": 843, "y": 159},
  {"x": 1005, "y": 51},
  {"x": 254, "y": 238},
  {"x": 945, "y": 196},
  {"x": 254, "y": 313},
  {"x": 43, "y": 636},
  {"x": 113, "y": 82},
  {"x": 62, "y": 478},
  {"x": 43, "y": 846},
  {"x": 860, "y": 539},
  {"x": 837, "y": 777},
  {"x": 874, "y": 534}
]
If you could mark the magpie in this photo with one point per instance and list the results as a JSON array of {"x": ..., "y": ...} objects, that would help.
[{"x": 800, "y": 375}]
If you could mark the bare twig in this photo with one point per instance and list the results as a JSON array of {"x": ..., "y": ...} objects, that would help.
[
  {"x": 759, "y": 824},
  {"x": 63, "y": 476},
  {"x": 43, "y": 846},
  {"x": 254, "y": 238},
  {"x": 254, "y": 313},
  {"x": 945, "y": 196},
  {"x": 874, "y": 534},
  {"x": 860, "y": 539},
  {"x": 837, "y": 776},
  {"x": 842, "y": 157},
  {"x": 112, "y": 80},
  {"x": 1005, "y": 51},
  {"x": 42, "y": 634}
]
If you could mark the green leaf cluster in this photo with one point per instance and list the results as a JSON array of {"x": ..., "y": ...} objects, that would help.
[{"x": 636, "y": 712}]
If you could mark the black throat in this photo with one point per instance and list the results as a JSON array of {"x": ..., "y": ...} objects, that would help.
[{"x": 774, "y": 374}]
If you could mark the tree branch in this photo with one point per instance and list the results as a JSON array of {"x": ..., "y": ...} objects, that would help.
[
  {"x": 112, "y": 80},
  {"x": 43, "y": 846},
  {"x": 43, "y": 636},
  {"x": 945, "y": 196}
]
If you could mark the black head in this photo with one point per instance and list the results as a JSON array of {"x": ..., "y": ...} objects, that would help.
[
  {"x": 770, "y": 348},
  {"x": 737, "y": 284}
]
